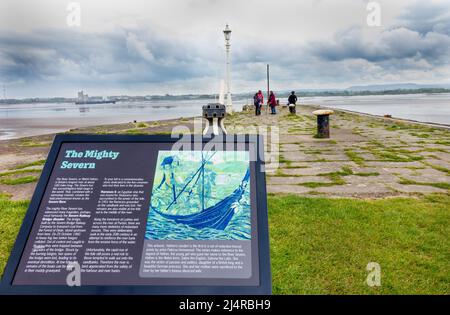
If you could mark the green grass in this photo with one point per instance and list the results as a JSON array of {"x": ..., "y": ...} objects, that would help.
[
  {"x": 19, "y": 180},
  {"x": 35, "y": 163},
  {"x": 295, "y": 166},
  {"x": 11, "y": 215},
  {"x": 442, "y": 185},
  {"x": 406, "y": 126},
  {"x": 438, "y": 168},
  {"x": 442, "y": 142},
  {"x": 141, "y": 125},
  {"x": 136, "y": 132},
  {"x": 390, "y": 156},
  {"x": 18, "y": 172},
  {"x": 316, "y": 151},
  {"x": 320, "y": 184},
  {"x": 353, "y": 156},
  {"x": 282, "y": 159},
  {"x": 362, "y": 174},
  {"x": 420, "y": 135},
  {"x": 294, "y": 118},
  {"x": 322, "y": 246},
  {"x": 347, "y": 171},
  {"x": 33, "y": 144},
  {"x": 335, "y": 178}
]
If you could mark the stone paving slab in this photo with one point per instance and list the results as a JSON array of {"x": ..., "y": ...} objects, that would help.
[
  {"x": 311, "y": 171},
  {"x": 428, "y": 178},
  {"x": 334, "y": 165},
  {"x": 400, "y": 171},
  {"x": 289, "y": 147},
  {"x": 394, "y": 164},
  {"x": 420, "y": 189},
  {"x": 10, "y": 161},
  {"x": 365, "y": 170},
  {"x": 274, "y": 180},
  {"x": 364, "y": 190},
  {"x": 357, "y": 180},
  {"x": 299, "y": 156},
  {"x": 288, "y": 189},
  {"x": 333, "y": 157}
]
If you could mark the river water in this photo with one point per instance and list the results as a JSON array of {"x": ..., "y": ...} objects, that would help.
[
  {"x": 20, "y": 120},
  {"x": 432, "y": 108}
]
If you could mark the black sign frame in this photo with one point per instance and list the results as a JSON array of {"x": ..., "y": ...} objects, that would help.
[{"x": 265, "y": 282}]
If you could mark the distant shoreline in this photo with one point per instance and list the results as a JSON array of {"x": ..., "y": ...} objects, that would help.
[{"x": 239, "y": 96}]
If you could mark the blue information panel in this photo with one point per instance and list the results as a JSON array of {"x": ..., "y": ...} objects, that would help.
[{"x": 145, "y": 215}]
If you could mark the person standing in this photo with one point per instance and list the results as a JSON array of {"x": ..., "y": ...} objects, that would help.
[
  {"x": 261, "y": 97},
  {"x": 257, "y": 103},
  {"x": 292, "y": 102},
  {"x": 272, "y": 103}
]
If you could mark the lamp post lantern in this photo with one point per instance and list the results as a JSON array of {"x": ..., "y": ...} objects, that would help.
[{"x": 227, "y": 33}]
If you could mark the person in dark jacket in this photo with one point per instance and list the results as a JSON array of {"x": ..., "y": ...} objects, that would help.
[
  {"x": 257, "y": 103},
  {"x": 292, "y": 102},
  {"x": 272, "y": 103}
]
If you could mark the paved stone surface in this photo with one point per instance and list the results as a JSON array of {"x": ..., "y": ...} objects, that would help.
[
  {"x": 366, "y": 157},
  {"x": 288, "y": 189},
  {"x": 277, "y": 180}
]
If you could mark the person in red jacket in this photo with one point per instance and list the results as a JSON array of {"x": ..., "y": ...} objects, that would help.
[
  {"x": 272, "y": 103},
  {"x": 261, "y": 97}
]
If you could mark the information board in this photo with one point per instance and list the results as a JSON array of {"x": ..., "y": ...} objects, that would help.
[{"x": 145, "y": 215}]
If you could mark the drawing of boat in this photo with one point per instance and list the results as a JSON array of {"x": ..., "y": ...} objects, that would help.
[{"x": 217, "y": 216}]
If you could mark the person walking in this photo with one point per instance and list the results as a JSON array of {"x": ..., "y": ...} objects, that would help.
[
  {"x": 272, "y": 103},
  {"x": 292, "y": 100},
  {"x": 257, "y": 103}
]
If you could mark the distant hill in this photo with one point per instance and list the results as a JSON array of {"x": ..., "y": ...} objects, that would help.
[{"x": 398, "y": 86}]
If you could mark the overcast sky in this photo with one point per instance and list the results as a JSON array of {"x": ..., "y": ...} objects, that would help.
[{"x": 177, "y": 46}]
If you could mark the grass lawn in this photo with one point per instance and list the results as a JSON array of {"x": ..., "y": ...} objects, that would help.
[
  {"x": 322, "y": 246},
  {"x": 11, "y": 215}
]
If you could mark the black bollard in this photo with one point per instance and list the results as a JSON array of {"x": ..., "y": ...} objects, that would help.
[{"x": 323, "y": 123}]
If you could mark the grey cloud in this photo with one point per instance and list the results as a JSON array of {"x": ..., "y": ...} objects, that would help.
[
  {"x": 126, "y": 56},
  {"x": 417, "y": 45},
  {"x": 424, "y": 17},
  {"x": 395, "y": 43},
  {"x": 421, "y": 32}
]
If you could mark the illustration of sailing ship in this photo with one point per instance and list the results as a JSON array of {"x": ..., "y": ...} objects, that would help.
[{"x": 201, "y": 181}]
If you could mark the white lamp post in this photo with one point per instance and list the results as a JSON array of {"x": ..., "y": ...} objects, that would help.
[{"x": 227, "y": 33}]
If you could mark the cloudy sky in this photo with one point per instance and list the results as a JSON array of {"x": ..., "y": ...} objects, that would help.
[{"x": 177, "y": 46}]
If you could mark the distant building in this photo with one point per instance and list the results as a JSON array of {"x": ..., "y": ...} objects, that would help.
[
  {"x": 82, "y": 97},
  {"x": 85, "y": 99}
]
